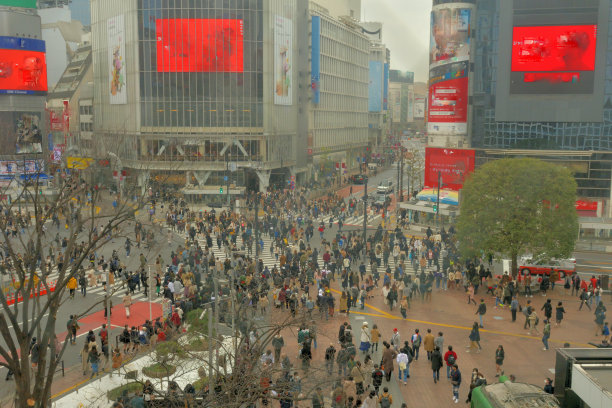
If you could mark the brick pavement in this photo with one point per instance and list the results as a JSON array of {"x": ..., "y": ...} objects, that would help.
[{"x": 449, "y": 312}]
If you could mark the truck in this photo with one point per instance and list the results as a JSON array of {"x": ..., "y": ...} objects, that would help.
[{"x": 509, "y": 394}]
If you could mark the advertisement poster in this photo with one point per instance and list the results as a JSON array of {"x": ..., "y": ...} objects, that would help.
[
  {"x": 23, "y": 66},
  {"x": 376, "y": 86},
  {"x": 20, "y": 132},
  {"x": 315, "y": 60},
  {"x": 448, "y": 94},
  {"x": 453, "y": 164},
  {"x": 450, "y": 35},
  {"x": 419, "y": 108},
  {"x": 200, "y": 45},
  {"x": 283, "y": 61},
  {"x": 116, "y": 54}
]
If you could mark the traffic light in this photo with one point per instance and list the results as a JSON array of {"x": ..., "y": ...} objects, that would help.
[
  {"x": 220, "y": 190},
  {"x": 435, "y": 208}
]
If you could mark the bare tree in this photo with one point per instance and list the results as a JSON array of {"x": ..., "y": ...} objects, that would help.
[{"x": 89, "y": 221}]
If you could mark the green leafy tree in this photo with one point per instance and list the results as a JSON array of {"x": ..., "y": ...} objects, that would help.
[{"x": 511, "y": 207}]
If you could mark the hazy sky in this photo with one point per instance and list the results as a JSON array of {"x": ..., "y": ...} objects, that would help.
[{"x": 405, "y": 31}]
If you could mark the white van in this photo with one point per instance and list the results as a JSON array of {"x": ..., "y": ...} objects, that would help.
[{"x": 385, "y": 187}]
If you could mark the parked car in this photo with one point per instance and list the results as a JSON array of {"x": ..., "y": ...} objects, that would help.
[
  {"x": 544, "y": 266},
  {"x": 358, "y": 179}
]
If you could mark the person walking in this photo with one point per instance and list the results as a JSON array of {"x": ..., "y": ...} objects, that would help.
[
  {"x": 388, "y": 358},
  {"x": 499, "y": 360},
  {"x": 547, "y": 308},
  {"x": 428, "y": 344},
  {"x": 127, "y": 303},
  {"x": 514, "y": 306},
  {"x": 385, "y": 400},
  {"x": 600, "y": 317},
  {"x": 402, "y": 363},
  {"x": 559, "y": 313},
  {"x": 85, "y": 358},
  {"x": 365, "y": 338},
  {"x": 546, "y": 334},
  {"x": 533, "y": 320},
  {"x": 330, "y": 355},
  {"x": 474, "y": 339},
  {"x": 436, "y": 364},
  {"x": 455, "y": 378},
  {"x": 450, "y": 358},
  {"x": 584, "y": 297},
  {"x": 374, "y": 337},
  {"x": 278, "y": 343},
  {"x": 481, "y": 311},
  {"x": 470, "y": 292},
  {"x": 94, "y": 359},
  {"x": 416, "y": 343}
]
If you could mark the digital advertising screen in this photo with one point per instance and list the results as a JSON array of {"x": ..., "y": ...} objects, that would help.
[
  {"x": 200, "y": 45},
  {"x": 553, "y": 59},
  {"x": 554, "y": 48},
  {"x": 450, "y": 35},
  {"x": 448, "y": 94},
  {"x": 453, "y": 164},
  {"x": 23, "y": 66}
]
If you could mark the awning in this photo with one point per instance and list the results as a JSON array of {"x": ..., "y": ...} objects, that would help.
[{"x": 423, "y": 206}]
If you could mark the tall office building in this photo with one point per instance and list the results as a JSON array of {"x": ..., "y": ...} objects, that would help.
[
  {"x": 338, "y": 112},
  {"x": 526, "y": 78},
  {"x": 23, "y": 86},
  {"x": 201, "y": 95}
]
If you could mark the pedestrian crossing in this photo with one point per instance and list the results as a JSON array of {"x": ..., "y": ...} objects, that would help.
[
  {"x": 350, "y": 220},
  {"x": 269, "y": 259}
]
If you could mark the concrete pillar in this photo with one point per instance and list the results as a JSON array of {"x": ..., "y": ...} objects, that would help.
[{"x": 264, "y": 180}]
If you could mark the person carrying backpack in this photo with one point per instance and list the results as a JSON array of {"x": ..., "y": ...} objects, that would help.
[
  {"x": 385, "y": 400},
  {"x": 450, "y": 357},
  {"x": 377, "y": 377}
]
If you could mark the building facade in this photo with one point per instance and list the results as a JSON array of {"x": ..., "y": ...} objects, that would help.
[
  {"x": 516, "y": 100},
  {"x": 401, "y": 101},
  {"x": 197, "y": 95},
  {"x": 23, "y": 86},
  {"x": 338, "y": 124}
]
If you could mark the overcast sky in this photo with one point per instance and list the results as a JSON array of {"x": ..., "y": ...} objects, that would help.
[{"x": 405, "y": 31}]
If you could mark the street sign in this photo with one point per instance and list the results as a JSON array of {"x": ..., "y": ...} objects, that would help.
[{"x": 224, "y": 178}]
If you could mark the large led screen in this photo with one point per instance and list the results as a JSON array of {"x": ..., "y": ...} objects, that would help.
[
  {"x": 23, "y": 66},
  {"x": 200, "y": 45},
  {"x": 553, "y": 59},
  {"x": 554, "y": 48}
]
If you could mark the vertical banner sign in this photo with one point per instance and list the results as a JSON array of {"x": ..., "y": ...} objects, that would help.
[
  {"x": 448, "y": 69},
  {"x": 386, "y": 87},
  {"x": 315, "y": 60},
  {"x": 115, "y": 29},
  {"x": 376, "y": 86},
  {"x": 283, "y": 61}
]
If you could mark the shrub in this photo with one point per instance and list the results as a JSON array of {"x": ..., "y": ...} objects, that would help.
[
  {"x": 131, "y": 388},
  {"x": 158, "y": 370}
]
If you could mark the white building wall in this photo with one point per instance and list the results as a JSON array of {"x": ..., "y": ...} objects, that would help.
[
  {"x": 57, "y": 55},
  {"x": 339, "y": 124}
]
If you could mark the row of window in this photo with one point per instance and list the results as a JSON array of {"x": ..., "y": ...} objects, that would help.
[
  {"x": 341, "y": 138},
  {"x": 338, "y": 120},
  {"x": 341, "y": 102},
  {"x": 202, "y": 114}
]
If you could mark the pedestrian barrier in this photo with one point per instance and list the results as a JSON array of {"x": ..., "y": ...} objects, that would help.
[{"x": 11, "y": 299}]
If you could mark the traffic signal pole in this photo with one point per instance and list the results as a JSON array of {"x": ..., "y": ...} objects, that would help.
[
  {"x": 438, "y": 200},
  {"x": 365, "y": 217}
]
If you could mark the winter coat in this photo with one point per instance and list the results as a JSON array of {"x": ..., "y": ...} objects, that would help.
[
  {"x": 436, "y": 360},
  {"x": 428, "y": 342}
]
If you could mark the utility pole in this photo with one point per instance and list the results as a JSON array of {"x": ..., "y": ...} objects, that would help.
[
  {"x": 257, "y": 227},
  {"x": 438, "y": 200},
  {"x": 365, "y": 216},
  {"x": 227, "y": 176},
  {"x": 398, "y": 172},
  {"x": 401, "y": 186}
]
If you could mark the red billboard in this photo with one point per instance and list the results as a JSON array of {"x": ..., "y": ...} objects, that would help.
[
  {"x": 554, "y": 48},
  {"x": 448, "y": 101},
  {"x": 22, "y": 72},
  {"x": 453, "y": 164},
  {"x": 200, "y": 45}
]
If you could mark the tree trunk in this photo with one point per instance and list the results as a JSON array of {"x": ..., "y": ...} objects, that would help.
[{"x": 514, "y": 265}]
